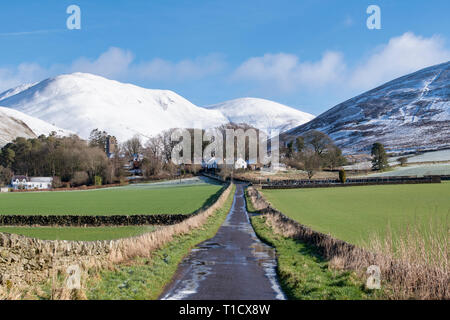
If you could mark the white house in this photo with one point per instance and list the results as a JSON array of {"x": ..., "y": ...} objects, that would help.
[
  {"x": 240, "y": 164},
  {"x": 210, "y": 163},
  {"x": 26, "y": 183}
]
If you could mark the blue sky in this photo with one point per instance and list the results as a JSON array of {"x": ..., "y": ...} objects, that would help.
[{"x": 307, "y": 54}]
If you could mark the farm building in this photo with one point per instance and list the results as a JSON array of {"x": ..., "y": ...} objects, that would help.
[
  {"x": 240, "y": 164},
  {"x": 27, "y": 183}
]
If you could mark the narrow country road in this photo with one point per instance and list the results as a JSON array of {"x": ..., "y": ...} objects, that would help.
[{"x": 233, "y": 265}]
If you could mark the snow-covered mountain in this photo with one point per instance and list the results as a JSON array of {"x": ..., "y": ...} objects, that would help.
[
  {"x": 411, "y": 112},
  {"x": 81, "y": 102},
  {"x": 13, "y": 91},
  {"x": 262, "y": 114},
  {"x": 15, "y": 124}
]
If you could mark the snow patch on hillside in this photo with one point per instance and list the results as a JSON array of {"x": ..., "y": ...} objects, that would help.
[{"x": 15, "y": 124}]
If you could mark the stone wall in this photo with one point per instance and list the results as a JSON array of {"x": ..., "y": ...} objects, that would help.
[
  {"x": 25, "y": 260},
  {"x": 294, "y": 184},
  {"x": 92, "y": 221}
]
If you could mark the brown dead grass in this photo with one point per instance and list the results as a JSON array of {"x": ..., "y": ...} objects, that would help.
[{"x": 257, "y": 177}]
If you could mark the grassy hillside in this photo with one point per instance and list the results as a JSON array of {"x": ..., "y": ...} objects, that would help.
[{"x": 353, "y": 213}]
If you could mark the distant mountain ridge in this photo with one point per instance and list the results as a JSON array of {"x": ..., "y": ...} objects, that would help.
[
  {"x": 82, "y": 102},
  {"x": 261, "y": 113},
  {"x": 408, "y": 113}
]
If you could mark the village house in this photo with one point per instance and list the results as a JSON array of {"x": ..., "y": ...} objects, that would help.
[
  {"x": 33, "y": 183},
  {"x": 240, "y": 164}
]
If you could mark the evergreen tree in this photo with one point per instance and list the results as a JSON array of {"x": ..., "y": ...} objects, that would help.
[{"x": 379, "y": 157}]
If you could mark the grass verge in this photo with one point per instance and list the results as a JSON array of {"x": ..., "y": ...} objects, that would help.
[
  {"x": 304, "y": 274},
  {"x": 145, "y": 278}
]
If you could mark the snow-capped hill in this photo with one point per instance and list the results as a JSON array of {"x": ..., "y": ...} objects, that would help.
[
  {"x": 262, "y": 114},
  {"x": 82, "y": 102},
  {"x": 13, "y": 91},
  {"x": 15, "y": 124},
  {"x": 408, "y": 113}
]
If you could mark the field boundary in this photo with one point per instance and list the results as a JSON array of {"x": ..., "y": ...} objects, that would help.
[
  {"x": 327, "y": 245},
  {"x": 330, "y": 183},
  {"x": 399, "y": 276},
  {"x": 25, "y": 261},
  {"x": 103, "y": 220}
]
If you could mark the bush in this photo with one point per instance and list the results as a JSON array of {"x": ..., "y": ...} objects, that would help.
[
  {"x": 403, "y": 160},
  {"x": 57, "y": 182},
  {"x": 342, "y": 176},
  {"x": 98, "y": 181},
  {"x": 79, "y": 178}
]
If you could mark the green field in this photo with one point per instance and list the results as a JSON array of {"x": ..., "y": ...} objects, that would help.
[
  {"x": 79, "y": 233},
  {"x": 113, "y": 201},
  {"x": 354, "y": 213}
]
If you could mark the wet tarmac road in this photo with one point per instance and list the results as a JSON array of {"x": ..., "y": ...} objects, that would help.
[{"x": 233, "y": 265}]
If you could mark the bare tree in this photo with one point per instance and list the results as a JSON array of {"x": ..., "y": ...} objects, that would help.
[
  {"x": 311, "y": 163},
  {"x": 133, "y": 146},
  {"x": 318, "y": 141}
]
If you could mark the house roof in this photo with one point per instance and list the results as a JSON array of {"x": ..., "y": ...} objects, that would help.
[
  {"x": 20, "y": 178},
  {"x": 42, "y": 179}
]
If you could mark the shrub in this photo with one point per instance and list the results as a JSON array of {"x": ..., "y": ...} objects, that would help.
[
  {"x": 79, "y": 178},
  {"x": 57, "y": 182},
  {"x": 342, "y": 176},
  {"x": 403, "y": 160},
  {"x": 98, "y": 180}
]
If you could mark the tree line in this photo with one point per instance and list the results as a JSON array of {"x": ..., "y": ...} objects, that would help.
[
  {"x": 76, "y": 162},
  {"x": 70, "y": 160}
]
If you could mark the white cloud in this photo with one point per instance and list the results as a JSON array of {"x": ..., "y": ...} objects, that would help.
[
  {"x": 401, "y": 55},
  {"x": 21, "y": 74},
  {"x": 115, "y": 62},
  {"x": 159, "y": 69},
  {"x": 281, "y": 72},
  {"x": 119, "y": 63},
  {"x": 287, "y": 72}
]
